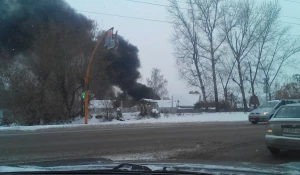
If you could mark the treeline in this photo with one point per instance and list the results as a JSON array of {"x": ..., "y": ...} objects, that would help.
[
  {"x": 44, "y": 50},
  {"x": 231, "y": 48}
]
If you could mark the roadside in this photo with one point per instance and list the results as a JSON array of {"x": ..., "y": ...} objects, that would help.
[{"x": 133, "y": 118}]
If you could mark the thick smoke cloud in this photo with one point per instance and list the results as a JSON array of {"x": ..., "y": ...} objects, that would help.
[
  {"x": 124, "y": 71},
  {"x": 20, "y": 21}
]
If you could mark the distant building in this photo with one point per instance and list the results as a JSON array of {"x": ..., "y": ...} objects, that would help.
[
  {"x": 188, "y": 100},
  {"x": 166, "y": 106},
  {"x": 98, "y": 106},
  {"x": 150, "y": 102}
]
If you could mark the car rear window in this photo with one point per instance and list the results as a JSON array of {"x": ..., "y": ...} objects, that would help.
[{"x": 288, "y": 112}]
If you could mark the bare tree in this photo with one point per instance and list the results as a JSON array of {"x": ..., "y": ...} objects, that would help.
[
  {"x": 158, "y": 83},
  {"x": 268, "y": 31},
  {"x": 44, "y": 85},
  {"x": 280, "y": 54},
  {"x": 209, "y": 15},
  {"x": 186, "y": 41},
  {"x": 288, "y": 91},
  {"x": 225, "y": 71},
  {"x": 58, "y": 52},
  {"x": 241, "y": 26},
  {"x": 107, "y": 109}
]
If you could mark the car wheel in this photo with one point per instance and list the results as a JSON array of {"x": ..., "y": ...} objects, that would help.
[
  {"x": 254, "y": 122},
  {"x": 274, "y": 151}
]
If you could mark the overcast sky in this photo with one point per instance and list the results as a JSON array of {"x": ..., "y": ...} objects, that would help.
[{"x": 153, "y": 38}]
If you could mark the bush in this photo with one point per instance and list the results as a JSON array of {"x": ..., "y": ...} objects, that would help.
[
  {"x": 223, "y": 105},
  {"x": 154, "y": 113},
  {"x": 107, "y": 116}
]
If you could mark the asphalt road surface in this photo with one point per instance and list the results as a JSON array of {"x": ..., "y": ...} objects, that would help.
[{"x": 231, "y": 141}]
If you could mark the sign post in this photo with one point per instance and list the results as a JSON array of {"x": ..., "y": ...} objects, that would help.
[{"x": 110, "y": 41}]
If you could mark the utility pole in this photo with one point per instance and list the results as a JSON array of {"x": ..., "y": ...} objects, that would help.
[
  {"x": 110, "y": 42},
  {"x": 177, "y": 106},
  {"x": 172, "y": 104}
]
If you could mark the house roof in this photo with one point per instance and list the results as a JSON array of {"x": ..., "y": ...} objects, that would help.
[
  {"x": 165, "y": 103},
  {"x": 147, "y": 100}
]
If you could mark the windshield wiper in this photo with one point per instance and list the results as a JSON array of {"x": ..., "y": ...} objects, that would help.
[
  {"x": 142, "y": 168},
  {"x": 134, "y": 167},
  {"x": 124, "y": 168}
]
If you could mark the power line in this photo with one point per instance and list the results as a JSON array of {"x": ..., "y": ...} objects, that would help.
[
  {"x": 292, "y": 1},
  {"x": 154, "y": 20},
  {"x": 161, "y": 5},
  {"x": 180, "y": 2},
  {"x": 290, "y": 17},
  {"x": 289, "y": 23},
  {"x": 121, "y": 16},
  {"x": 148, "y": 3}
]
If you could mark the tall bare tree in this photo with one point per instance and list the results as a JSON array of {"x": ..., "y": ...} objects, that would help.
[
  {"x": 186, "y": 41},
  {"x": 224, "y": 71},
  {"x": 280, "y": 54},
  {"x": 158, "y": 83},
  {"x": 209, "y": 15},
  {"x": 241, "y": 27},
  {"x": 268, "y": 32}
]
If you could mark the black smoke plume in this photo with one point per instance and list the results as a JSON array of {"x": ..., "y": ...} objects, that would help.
[
  {"x": 124, "y": 72},
  {"x": 20, "y": 21}
]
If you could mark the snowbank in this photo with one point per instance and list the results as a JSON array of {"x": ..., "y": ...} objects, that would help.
[{"x": 132, "y": 118}]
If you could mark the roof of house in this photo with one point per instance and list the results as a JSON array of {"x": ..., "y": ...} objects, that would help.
[
  {"x": 165, "y": 103},
  {"x": 147, "y": 100}
]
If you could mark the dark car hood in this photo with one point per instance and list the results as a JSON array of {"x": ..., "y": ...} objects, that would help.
[{"x": 180, "y": 165}]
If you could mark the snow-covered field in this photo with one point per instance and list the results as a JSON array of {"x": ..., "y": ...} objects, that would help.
[{"x": 132, "y": 118}]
